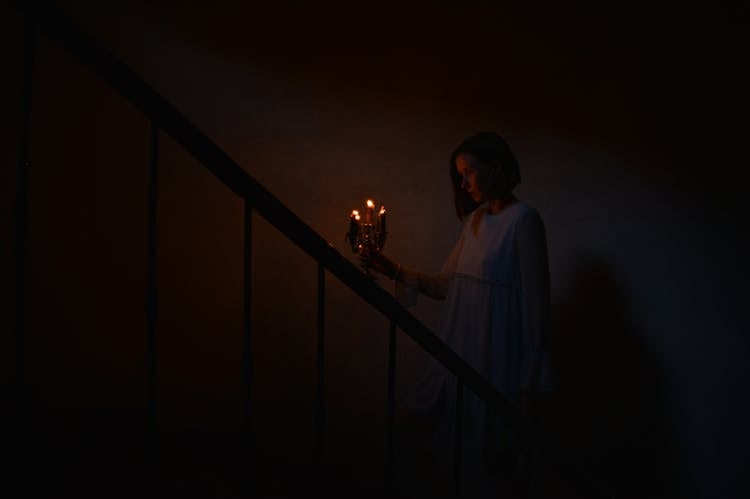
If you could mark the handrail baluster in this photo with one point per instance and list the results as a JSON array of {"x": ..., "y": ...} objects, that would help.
[
  {"x": 246, "y": 362},
  {"x": 459, "y": 430},
  {"x": 22, "y": 209},
  {"x": 320, "y": 415},
  {"x": 390, "y": 447},
  {"x": 151, "y": 303}
]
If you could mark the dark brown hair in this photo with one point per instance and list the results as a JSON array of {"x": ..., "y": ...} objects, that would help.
[{"x": 492, "y": 150}]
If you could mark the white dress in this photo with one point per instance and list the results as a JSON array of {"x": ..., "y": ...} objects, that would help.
[{"x": 496, "y": 315}]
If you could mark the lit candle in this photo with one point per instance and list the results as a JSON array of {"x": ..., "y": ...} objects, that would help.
[
  {"x": 381, "y": 216},
  {"x": 354, "y": 229},
  {"x": 370, "y": 212}
]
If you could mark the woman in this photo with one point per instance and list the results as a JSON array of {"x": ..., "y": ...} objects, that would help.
[{"x": 495, "y": 284}]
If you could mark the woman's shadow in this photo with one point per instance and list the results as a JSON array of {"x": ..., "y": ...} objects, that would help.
[{"x": 608, "y": 407}]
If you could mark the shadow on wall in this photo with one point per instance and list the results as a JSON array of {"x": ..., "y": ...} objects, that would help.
[{"x": 608, "y": 409}]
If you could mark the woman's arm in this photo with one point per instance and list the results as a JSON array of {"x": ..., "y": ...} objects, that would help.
[
  {"x": 434, "y": 286},
  {"x": 410, "y": 282}
]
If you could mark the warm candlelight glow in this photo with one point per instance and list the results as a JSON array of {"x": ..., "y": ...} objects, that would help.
[
  {"x": 371, "y": 231},
  {"x": 381, "y": 224},
  {"x": 370, "y": 212}
]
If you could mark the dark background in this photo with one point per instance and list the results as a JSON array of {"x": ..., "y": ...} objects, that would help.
[{"x": 629, "y": 121}]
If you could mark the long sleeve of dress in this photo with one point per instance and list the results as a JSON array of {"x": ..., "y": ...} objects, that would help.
[
  {"x": 433, "y": 285},
  {"x": 535, "y": 298}
]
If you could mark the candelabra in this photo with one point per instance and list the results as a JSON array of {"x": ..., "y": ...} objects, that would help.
[{"x": 368, "y": 231}]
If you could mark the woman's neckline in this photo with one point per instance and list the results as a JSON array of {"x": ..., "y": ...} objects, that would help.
[{"x": 501, "y": 206}]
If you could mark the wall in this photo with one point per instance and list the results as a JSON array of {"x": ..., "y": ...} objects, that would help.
[{"x": 625, "y": 123}]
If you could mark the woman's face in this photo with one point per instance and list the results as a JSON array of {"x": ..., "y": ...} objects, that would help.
[{"x": 477, "y": 178}]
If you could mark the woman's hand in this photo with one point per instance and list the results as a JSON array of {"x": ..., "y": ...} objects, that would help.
[{"x": 377, "y": 261}]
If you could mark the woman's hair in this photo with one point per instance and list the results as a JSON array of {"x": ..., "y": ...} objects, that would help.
[{"x": 492, "y": 150}]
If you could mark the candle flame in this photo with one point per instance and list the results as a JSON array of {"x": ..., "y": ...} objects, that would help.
[
  {"x": 382, "y": 210},
  {"x": 356, "y": 217},
  {"x": 370, "y": 204},
  {"x": 355, "y": 213}
]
